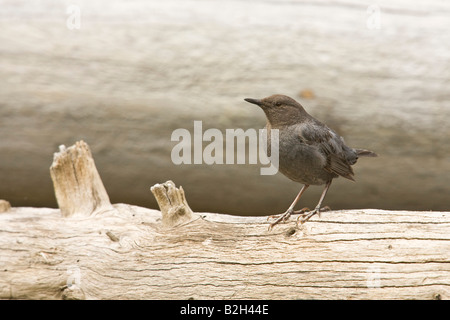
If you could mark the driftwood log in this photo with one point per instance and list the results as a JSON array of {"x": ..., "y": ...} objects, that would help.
[{"x": 131, "y": 252}]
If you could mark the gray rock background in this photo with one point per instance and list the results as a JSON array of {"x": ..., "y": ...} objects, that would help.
[{"x": 137, "y": 70}]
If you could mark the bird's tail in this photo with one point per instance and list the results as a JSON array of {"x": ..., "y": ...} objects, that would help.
[{"x": 365, "y": 153}]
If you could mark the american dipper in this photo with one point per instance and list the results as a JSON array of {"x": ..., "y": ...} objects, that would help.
[{"x": 309, "y": 151}]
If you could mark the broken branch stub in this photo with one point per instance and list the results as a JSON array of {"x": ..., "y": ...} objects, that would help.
[
  {"x": 5, "y": 206},
  {"x": 79, "y": 189},
  {"x": 172, "y": 203}
]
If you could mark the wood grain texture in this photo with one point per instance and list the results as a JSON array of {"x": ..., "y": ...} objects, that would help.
[{"x": 358, "y": 254}]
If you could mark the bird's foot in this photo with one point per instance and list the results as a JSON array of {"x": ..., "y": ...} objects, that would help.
[
  {"x": 306, "y": 215},
  {"x": 302, "y": 211},
  {"x": 280, "y": 218},
  {"x": 324, "y": 209}
]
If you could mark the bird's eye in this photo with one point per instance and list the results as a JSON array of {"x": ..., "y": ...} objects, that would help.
[{"x": 278, "y": 104}]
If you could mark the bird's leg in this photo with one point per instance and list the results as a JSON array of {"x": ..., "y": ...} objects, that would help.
[
  {"x": 303, "y": 219},
  {"x": 283, "y": 217}
]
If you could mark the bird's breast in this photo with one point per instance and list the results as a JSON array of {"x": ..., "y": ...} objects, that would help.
[{"x": 299, "y": 161}]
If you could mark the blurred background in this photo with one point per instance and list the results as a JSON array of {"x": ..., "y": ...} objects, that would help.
[{"x": 122, "y": 75}]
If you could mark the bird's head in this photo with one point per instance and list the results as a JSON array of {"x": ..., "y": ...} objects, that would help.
[{"x": 280, "y": 109}]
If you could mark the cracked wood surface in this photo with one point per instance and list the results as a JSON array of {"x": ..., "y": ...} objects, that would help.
[{"x": 127, "y": 253}]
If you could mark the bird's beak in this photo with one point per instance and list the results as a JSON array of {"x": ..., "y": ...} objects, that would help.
[{"x": 258, "y": 102}]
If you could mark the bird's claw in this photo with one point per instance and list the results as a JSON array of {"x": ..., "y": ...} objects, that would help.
[
  {"x": 302, "y": 211},
  {"x": 307, "y": 215},
  {"x": 280, "y": 218}
]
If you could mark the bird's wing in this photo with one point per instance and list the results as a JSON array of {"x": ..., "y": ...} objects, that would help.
[{"x": 331, "y": 145}]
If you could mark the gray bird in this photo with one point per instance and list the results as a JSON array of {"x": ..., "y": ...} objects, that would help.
[{"x": 309, "y": 151}]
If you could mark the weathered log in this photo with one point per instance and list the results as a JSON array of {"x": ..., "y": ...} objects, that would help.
[
  {"x": 78, "y": 187},
  {"x": 357, "y": 254},
  {"x": 130, "y": 252}
]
